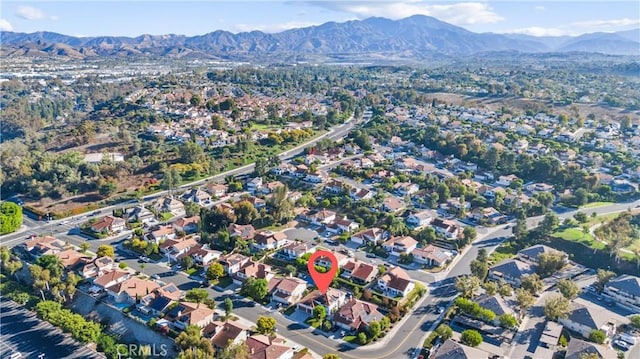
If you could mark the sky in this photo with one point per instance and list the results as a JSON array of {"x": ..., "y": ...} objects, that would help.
[{"x": 133, "y": 18}]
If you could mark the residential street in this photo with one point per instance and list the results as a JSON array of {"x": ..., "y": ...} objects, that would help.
[{"x": 408, "y": 335}]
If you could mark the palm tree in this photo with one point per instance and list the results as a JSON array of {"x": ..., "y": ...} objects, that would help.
[{"x": 142, "y": 267}]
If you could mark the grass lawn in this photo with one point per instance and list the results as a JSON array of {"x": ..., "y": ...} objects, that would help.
[
  {"x": 314, "y": 322},
  {"x": 350, "y": 339},
  {"x": 190, "y": 271},
  {"x": 165, "y": 216},
  {"x": 576, "y": 235},
  {"x": 595, "y": 204},
  {"x": 224, "y": 282}
]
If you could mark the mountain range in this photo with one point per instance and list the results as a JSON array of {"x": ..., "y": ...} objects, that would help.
[{"x": 414, "y": 37}]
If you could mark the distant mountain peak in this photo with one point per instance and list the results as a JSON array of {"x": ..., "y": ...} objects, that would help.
[{"x": 413, "y": 37}]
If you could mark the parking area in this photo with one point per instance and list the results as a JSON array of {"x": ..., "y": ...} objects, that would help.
[{"x": 23, "y": 332}]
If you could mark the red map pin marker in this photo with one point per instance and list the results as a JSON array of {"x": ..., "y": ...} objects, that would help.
[{"x": 322, "y": 280}]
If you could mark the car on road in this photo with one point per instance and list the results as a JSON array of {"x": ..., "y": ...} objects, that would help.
[
  {"x": 155, "y": 276},
  {"x": 440, "y": 310},
  {"x": 371, "y": 255},
  {"x": 144, "y": 259}
]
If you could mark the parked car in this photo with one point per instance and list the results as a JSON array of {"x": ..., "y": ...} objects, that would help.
[
  {"x": 144, "y": 259},
  {"x": 440, "y": 310},
  {"x": 371, "y": 255},
  {"x": 621, "y": 344}
]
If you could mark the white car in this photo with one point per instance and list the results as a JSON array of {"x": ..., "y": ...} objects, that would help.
[{"x": 621, "y": 344}]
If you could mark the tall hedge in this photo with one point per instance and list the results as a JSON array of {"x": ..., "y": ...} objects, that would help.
[{"x": 10, "y": 217}]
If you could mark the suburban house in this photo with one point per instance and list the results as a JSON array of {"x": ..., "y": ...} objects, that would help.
[
  {"x": 141, "y": 214},
  {"x": 360, "y": 194},
  {"x": 579, "y": 349},
  {"x": 584, "y": 319},
  {"x": 431, "y": 256},
  {"x": 287, "y": 290},
  {"x": 227, "y": 333},
  {"x": 420, "y": 219},
  {"x": 40, "y": 246},
  {"x": 488, "y": 215},
  {"x": 232, "y": 262},
  {"x": 187, "y": 313},
  {"x": 535, "y": 188},
  {"x": 360, "y": 272},
  {"x": 356, "y": 315},
  {"x": 217, "y": 190},
  {"x": 187, "y": 225},
  {"x": 496, "y": 304},
  {"x": 324, "y": 261},
  {"x": 511, "y": 271},
  {"x": 97, "y": 267},
  {"x": 373, "y": 235},
  {"x": 174, "y": 249},
  {"x": 131, "y": 290},
  {"x": 109, "y": 224},
  {"x": 343, "y": 224},
  {"x": 393, "y": 204},
  {"x": 405, "y": 188},
  {"x": 244, "y": 231},
  {"x": 331, "y": 300},
  {"x": 400, "y": 245},
  {"x": 254, "y": 270},
  {"x": 153, "y": 304},
  {"x": 449, "y": 229},
  {"x": 295, "y": 250},
  {"x": 70, "y": 258},
  {"x": 109, "y": 279},
  {"x": 162, "y": 233},
  {"x": 625, "y": 291},
  {"x": 395, "y": 283},
  {"x": 454, "y": 350},
  {"x": 254, "y": 185},
  {"x": 265, "y": 347},
  {"x": 321, "y": 217},
  {"x": 506, "y": 180},
  {"x": 203, "y": 255},
  {"x": 531, "y": 253},
  {"x": 266, "y": 240},
  {"x": 271, "y": 187},
  {"x": 197, "y": 196},
  {"x": 170, "y": 205}
]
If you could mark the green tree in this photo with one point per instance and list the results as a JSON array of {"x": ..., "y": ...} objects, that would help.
[
  {"x": 228, "y": 307},
  {"x": 107, "y": 188},
  {"x": 236, "y": 351},
  {"x": 635, "y": 320},
  {"x": 197, "y": 295},
  {"x": 362, "y": 338},
  {"x": 191, "y": 338},
  {"x": 597, "y": 336},
  {"x": 319, "y": 312},
  {"x": 52, "y": 263},
  {"x": 550, "y": 263},
  {"x": 508, "y": 321},
  {"x": 549, "y": 223},
  {"x": 375, "y": 329},
  {"x": 467, "y": 285},
  {"x": 581, "y": 217},
  {"x": 469, "y": 234},
  {"x": 504, "y": 289},
  {"x": 479, "y": 269},
  {"x": 444, "y": 331},
  {"x": 215, "y": 271},
  {"x": 532, "y": 283},
  {"x": 557, "y": 307},
  {"x": 186, "y": 262},
  {"x": 490, "y": 287},
  {"x": 105, "y": 250},
  {"x": 10, "y": 217},
  {"x": 568, "y": 288},
  {"x": 471, "y": 338},
  {"x": 604, "y": 276},
  {"x": 265, "y": 325},
  {"x": 524, "y": 300},
  {"x": 191, "y": 152},
  {"x": 245, "y": 212},
  {"x": 255, "y": 288},
  {"x": 84, "y": 247}
]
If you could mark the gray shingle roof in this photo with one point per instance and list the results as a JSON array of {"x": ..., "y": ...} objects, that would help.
[{"x": 626, "y": 283}]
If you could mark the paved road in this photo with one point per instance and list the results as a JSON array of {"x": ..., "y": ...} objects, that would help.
[{"x": 23, "y": 332}]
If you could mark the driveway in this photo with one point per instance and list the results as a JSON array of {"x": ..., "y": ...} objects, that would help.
[{"x": 303, "y": 234}]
